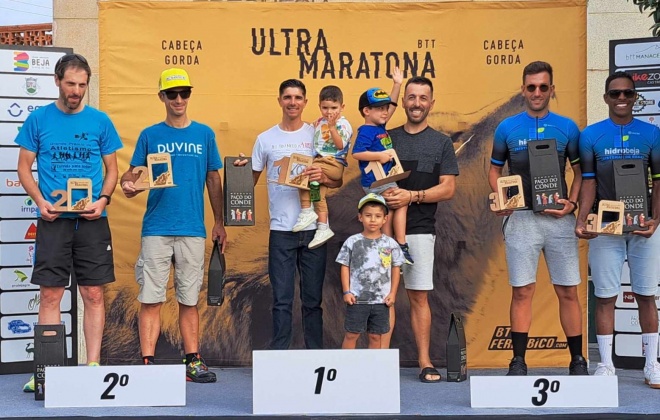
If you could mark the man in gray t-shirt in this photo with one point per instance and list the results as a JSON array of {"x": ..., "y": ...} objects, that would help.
[{"x": 430, "y": 157}]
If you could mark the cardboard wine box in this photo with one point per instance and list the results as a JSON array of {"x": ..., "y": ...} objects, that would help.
[
  {"x": 238, "y": 193},
  {"x": 49, "y": 350},
  {"x": 545, "y": 175},
  {"x": 216, "y": 277},
  {"x": 630, "y": 184},
  {"x": 456, "y": 350}
]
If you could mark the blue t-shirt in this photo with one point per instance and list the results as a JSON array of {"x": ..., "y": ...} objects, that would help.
[
  {"x": 68, "y": 146},
  {"x": 372, "y": 138},
  {"x": 178, "y": 211},
  {"x": 512, "y": 135},
  {"x": 605, "y": 141}
]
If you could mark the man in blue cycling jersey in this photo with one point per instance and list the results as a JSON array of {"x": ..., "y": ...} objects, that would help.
[
  {"x": 622, "y": 137},
  {"x": 527, "y": 233}
]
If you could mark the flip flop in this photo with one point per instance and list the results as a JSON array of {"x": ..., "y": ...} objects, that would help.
[{"x": 429, "y": 371}]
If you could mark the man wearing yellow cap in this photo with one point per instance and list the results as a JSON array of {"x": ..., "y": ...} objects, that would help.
[{"x": 173, "y": 226}]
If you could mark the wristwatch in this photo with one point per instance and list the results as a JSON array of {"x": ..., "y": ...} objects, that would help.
[{"x": 107, "y": 197}]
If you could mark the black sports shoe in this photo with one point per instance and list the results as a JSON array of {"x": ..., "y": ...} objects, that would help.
[
  {"x": 517, "y": 367},
  {"x": 197, "y": 371},
  {"x": 578, "y": 366}
]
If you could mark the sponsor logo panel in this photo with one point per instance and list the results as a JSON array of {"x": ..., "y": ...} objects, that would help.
[
  {"x": 18, "y": 230},
  {"x": 16, "y": 255},
  {"x": 14, "y": 351},
  {"x": 21, "y": 61},
  {"x": 22, "y": 326},
  {"x": 28, "y": 86},
  {"x": 9, "y": 182},
  {"x": 638, "y": 54},
  {"x": 17, "y": 207},
  {"x": 28, "y": 302},
  {"x": 9, "y": 159},
  {"x": 16, "y": 279}
]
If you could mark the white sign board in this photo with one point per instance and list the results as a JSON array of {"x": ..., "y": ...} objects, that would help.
[{"x": 325, "y": 382}]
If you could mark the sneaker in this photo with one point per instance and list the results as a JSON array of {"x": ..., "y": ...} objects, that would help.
[
  {"x": 320, "y": 237},
  {"x": 93, "y": 364},
  {"x": 305, "y": 218},
  {"x": 578, "y": 366},
  {"x": 652, "y": 375},
  {"x": 197, "y": 371},
  {"x": 29, "y": 386},
  {"x": 406, "y": 253},
  {"x": 517, "y": 367},
  {"x": 605, "y": 370}
]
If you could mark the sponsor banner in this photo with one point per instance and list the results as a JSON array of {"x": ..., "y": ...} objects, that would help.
[
  {"x": 17, "y": 207},
  {"x": 9, "y": 182},
  {"x": 645, "y": 78},
  {"x": 22, "y": 61},
  {"x": 27, "y": 86},
  {"x": 637, "y": 54},
  {"x": 28, "y": 302},
  {"x": 13, "y": 351},
  {"x": 22, "y": 326},
  {"x": 501, "y": 340},
  {"x": 317, "y": 44},
  {"x": 9, "y": 159},
  {"x": 18, "y": 230},
  {"x": 626, "y": 298},
  {"x": 629, "y": 345},
  {"x": 8, "y": 132},
  {"x": 626, "y": 321},
  {"x": 651, "y": 119},
  {"x": 16, "y": 255},
  {"x": 18, "y": 109},
  {"x": 648, "y": 102},
  {"x": 13, "y": 279}
]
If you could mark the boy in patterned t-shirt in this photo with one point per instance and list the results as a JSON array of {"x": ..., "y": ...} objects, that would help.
[
  {"x": 368, "y": 281},
  {"x": 332, "y": 135}
]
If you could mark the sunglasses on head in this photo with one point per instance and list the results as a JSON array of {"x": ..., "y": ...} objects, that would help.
[
  {"x": 172, "y": 94},
  {"x": 532, "y": 88},
  {"x": 616, "y": 93},
  {"x": 69, "y": 57}
]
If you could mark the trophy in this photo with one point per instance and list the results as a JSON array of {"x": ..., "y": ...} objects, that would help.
[
  {"x": 65, "y": 202},
  {"x": 395, "y": 173},
  {"x": 146, "y": 180},
  {"x": 238, "y": 193},
  {"x": 630, "y": 185},
  {"x": 500, "y": 200},
  {"x": 291, "y": 170},
  {"x": 609, "y": 220},
  {"x": 545, "y": 173}
]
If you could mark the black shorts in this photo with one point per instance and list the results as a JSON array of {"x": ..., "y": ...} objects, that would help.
[
  {"x": 81, "y": 246},
  {"x": 372, "y": 318}
]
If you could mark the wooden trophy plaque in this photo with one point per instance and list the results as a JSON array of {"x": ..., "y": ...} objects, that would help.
[
  {"x": 609, "y": 220},
  {"x": 65, "y": 202},
  {"x": 395, "y": 174},
  {"x": 291, "y": 171},
  {"x": 146, "y": 180},
  {"x": 499, "y": 200}
]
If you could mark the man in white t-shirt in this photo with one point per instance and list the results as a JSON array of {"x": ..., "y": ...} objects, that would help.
[{"x": 289, "y": 250}]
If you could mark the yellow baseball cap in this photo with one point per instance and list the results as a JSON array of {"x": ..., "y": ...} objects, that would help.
[{"x": 173, "y": 78}]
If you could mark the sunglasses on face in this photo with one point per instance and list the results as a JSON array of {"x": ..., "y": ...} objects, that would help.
[
  {"x": 532, "y": 88},
  {"x": 616, "y": 93},
  {"x": 172, "y": 94}
]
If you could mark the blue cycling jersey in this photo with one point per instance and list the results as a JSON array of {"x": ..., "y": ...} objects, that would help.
[
  {"x": 603, "y": 142},
  {"x": 512, "y": 135}
]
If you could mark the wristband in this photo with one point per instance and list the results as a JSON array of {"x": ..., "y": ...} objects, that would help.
[
  {"x": 410, "y": 202},
  {"x": 107, "y": 197},
  {"x": 348, "y": 293},
  {"x": 574, "y": 205}
]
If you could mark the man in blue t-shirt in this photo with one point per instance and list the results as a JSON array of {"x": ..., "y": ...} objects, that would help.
[
  {"x": 173, "y": 226},
  {"x": 71, "y": 140},
  {"x": 527, "y": 233},
  {"x": 622, "y": 137}
]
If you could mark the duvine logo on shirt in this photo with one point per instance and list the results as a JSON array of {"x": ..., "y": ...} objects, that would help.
[{"x": 21, "y": 61}]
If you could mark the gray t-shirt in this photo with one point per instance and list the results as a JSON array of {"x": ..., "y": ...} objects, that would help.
[{"x": 370, "y": 262}]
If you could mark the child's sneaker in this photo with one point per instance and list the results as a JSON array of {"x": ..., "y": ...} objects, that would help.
[
  {"x": 29, "y": 386},
  {"x": 320, "y": 237},
  {"x": 197, "y": 371},
  {"x": 406, "y": 253},
  {"x": 305, "y": 218}
]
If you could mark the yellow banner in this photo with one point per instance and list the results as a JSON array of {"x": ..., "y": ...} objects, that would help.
[{"x": 238, "y": 53}]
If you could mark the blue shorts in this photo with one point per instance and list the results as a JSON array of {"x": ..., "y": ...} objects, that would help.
[
  {"x": 526, "y": 234},
  {"x": 607, "y": 255}
]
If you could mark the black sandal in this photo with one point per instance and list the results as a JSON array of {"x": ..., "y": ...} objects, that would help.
[{"x": 429, "y": 371}]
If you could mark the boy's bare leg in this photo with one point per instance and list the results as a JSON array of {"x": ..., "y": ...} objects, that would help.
[
  {"x": 386, "y": 338},
  {"x": 374, "y": 341},
  {"x": 323, "y": 216},
  {"x": 350, "y": 340}
]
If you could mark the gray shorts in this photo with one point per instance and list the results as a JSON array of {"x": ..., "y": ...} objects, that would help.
[
  {"x": 372, "y": 318},
  {"x": 152, "y": 269},
  {"x": 381, "y": 189},
  {"x": 419, "y": 276},
  {"x": 526, "y": 234}
]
